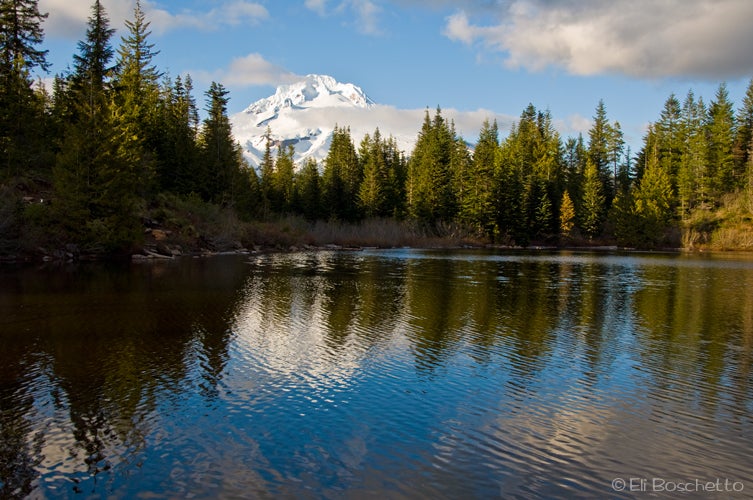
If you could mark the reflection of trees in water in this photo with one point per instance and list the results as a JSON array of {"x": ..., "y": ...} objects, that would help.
[
  {"x": 697, "y": 326},
  {"x": 20, "y": 446},
  {"x": 115, "y": 339}
]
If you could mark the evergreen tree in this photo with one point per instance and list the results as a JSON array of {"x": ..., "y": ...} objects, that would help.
[
  {"x": 592, "y": 205},
  {"x": 95, "y": 179},
  {"x": 653, "y": 202},
  {"x": 176, "y": 147},
  {"x": 220, "y": 155},
  {"x": 669, "y": 136},
  {"x": 373, "y": 194},
  {"x": 342, "y": 177},
  {"x": 509, "y": 180},
  {"x": 721, "y": 134},
  {"x": 615, "y": 149},
  {"x": 430, "y": 196},
  {"x": 397, "y": 172},
  {"x": 267, "y": 170},
  {"x": 599, "y": 149},
  {"x": 308, "y": 190},
  {"x": 284, "y": 173},
  {"x": 744, "y": 139},
  {"x": 574, "y": 164},
  {"x": 693, "y": 183},
  {"x": 21, "y": 109},
  {"x": 137, "y": 96},
  {"x": 567, "y": 216},
  {"x": 477, "y": 198}
]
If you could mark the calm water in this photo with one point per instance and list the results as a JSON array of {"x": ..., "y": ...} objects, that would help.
[{"x": 379, "y": 374}]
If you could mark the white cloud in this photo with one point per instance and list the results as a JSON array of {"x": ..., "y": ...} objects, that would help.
[
  {"x": 68, "y": 18},
  {"x": 638, "y": 38},
  {"x": 403, "y": 124},
  {"x": 251, "y": 70},
  {"x": 365, "y": 12}
]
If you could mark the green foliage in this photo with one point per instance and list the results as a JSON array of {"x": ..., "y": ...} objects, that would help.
[
  {"x": 113, "y": 144},
  {"x": 592, "y": 206},
  {"x": 21, "y": 108},
  {"x": 430, "y": 194},
  {"x": 308, "y": 191},
  {"x": 342, "y": 178},
  {"x": 476, "y": 188},
  {"x": 567, "y": 216},
  {"x": 282, "y": 181},
  {"x": 721, "y": 132}
]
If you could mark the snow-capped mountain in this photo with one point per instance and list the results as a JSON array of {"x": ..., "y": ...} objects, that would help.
[{"x": 303, "y": 114}]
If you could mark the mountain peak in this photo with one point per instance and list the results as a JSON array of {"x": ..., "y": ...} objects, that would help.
[
  {"x": 313, "y": 91},
  {"x": 293, "y": 115}
]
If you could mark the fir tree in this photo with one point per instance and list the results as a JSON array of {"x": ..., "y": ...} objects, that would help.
[
  {"x": 744, "y": 138},
  {"x": 430, "y": 194},
  {"x": 342, "y": 177},
  {"x": 567, "y": 216},
  {"x": 94, "y": 175},
  {"x": 592, "y": 205},
  {"x": 266, "y": 170},
  {"x": 477, "y": 197},
  {"x": 721, "y": 133},
  {"x": 284, "y": 173},
  {"x": 175, "y": 147},
  {"x": 137, "y": 96},
  {"x": 653, "y": 202},
  {"x": 308, "y": 190},
  {"x": 599, "y": 149},
  {"x": 21, "y": 109},
  {"x": 693, "y": 186},
  {"x": 374, "y": 188},
  {"x": 221, "y": 155}
]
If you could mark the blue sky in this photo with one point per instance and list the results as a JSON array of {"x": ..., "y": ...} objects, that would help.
[{"x": 471, "y": 57}]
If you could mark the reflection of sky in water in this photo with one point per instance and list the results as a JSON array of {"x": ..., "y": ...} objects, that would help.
[{"x": 417, "y": 373}]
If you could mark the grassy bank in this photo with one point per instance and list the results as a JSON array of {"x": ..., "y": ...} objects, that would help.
[{"x": 185, "y": 225}]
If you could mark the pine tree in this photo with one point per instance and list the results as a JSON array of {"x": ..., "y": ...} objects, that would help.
[
  {"x": 137, "y": 96},
  {"x": 176, "y": 147},
  {"x": 374, "y": 188},
  {"x": 574, "y": 164},
  {"x": 21, "y": 109},
  {"x": 509, "y": 179},
  {"x": 567, "y": 216},
  {"x": 221, "y": 156},
  {"x": 721, "y": 133},
  {"x": 430, "y": 195},
  {"x": 669, "y": 136},
  {"x": 308, "y": 190},
  {"x": 477, "y": 197},
  {"x": 592, "y": 205},
  {"x": 744, "y": 137},
  {"x": 94, "y": 176},
  {"x": 598, "y": 149},
  {"x": 266, "y": 171},
  {"x": 397, "y": 171},
  {"x": 693, "y": 187},
  {"x": 653, "y": 202},
  {"x": 284, "y": 173},
  {"x": 342, "y": 178}
]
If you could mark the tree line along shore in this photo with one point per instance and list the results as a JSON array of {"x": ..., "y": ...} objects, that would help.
[{"x": 114, "y": 160}]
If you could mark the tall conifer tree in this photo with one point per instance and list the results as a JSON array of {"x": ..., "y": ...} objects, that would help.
[{"x": 21, "y": 110}]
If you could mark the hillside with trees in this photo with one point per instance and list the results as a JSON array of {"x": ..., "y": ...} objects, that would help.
[{"x": 114, "y": 159}]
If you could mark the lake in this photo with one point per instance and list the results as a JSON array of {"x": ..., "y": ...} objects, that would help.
[{"x": 379, "y": 374}]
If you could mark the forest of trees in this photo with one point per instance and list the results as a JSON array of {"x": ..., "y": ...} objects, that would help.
[{"x": 114, "y": 137}]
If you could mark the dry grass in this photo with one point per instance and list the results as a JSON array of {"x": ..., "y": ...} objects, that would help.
[{"x": 730, "y": 227}]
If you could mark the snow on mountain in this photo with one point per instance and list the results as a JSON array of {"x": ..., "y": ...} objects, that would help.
[{"x": 303, "y": 114}]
